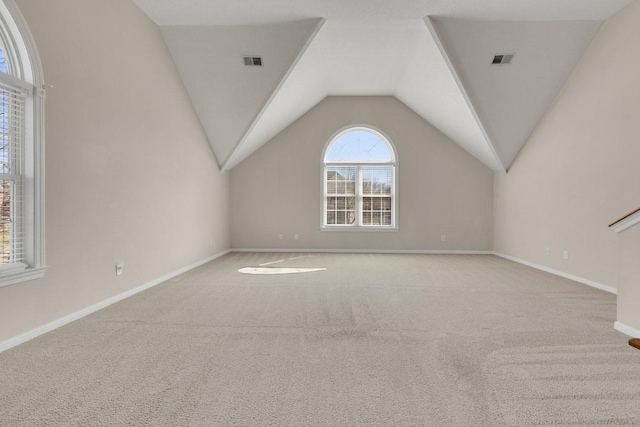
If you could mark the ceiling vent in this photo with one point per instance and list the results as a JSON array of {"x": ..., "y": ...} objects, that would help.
[
  {"x": 502, "y": 59},
  {"x": 252, "y": 61}
]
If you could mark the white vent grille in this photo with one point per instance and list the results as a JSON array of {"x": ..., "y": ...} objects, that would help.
[
  {"x": 503, "y": 59},
  {"x": 252, "y": 61}
]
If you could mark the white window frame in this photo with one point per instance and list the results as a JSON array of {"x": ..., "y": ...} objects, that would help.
[
  {"x": 26, "y": 73},
  {"x": 357, "y": 225}
]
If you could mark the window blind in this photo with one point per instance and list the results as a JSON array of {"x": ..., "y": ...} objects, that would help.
[
  {"x": 376, "y": 195},
  {"x": 12, "y": 141}
]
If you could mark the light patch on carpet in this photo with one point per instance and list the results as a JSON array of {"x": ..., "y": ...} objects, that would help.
[
  {"x": 272, "y": 262},
  {"x": 281, "y": 260},
  {"x": 277, "y": 270}
]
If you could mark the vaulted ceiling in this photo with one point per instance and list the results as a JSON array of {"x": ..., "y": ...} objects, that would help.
[{"x": 433, "y": 55}]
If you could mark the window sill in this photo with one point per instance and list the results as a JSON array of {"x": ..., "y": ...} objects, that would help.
[
  {"x": 364, "y": 229},
  {"x": 11, "y": 276}
]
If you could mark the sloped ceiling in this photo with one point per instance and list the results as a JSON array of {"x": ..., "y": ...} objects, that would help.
[
  {"x": 509, "y": 100},
  {"x": 229, "y": 97},
  {"x": 433, "y": 55}
]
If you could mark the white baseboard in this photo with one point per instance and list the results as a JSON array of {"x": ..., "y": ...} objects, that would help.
[
  {"x": 33, "y": 333},
  {"x": 582, "y": 280},
  {"x": 627, "y": 330},
  {"x": 366, "y": 251}
]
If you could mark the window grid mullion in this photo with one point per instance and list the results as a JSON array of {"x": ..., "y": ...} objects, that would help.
[{"x": 358, "y": 196}]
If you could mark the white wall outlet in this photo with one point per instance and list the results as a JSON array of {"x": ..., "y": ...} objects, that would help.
[
  {"x": 119, "y": 269},
  {"x": 547, "y": 251},
  {"x": 296, "y": 237},
  {"x": 279, "y": 236},
  {"x": 443, "y": 238},
  {"x": 565, "y": 254}
]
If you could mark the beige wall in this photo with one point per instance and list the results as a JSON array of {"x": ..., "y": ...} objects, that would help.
[
  {"x": 580, "y": 168},
  {"x": 130, "y": 175},
  {"x": 629, "y": 284},
  {"x": 442, "y": 189}
]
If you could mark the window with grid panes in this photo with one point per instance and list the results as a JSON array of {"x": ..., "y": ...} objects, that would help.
[
  {"x": 21, "y": 148},
  {"x": 12, "y": 103},
  {"x": 359, "y": 181}
]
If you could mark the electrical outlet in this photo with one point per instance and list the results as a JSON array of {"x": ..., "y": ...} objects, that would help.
[
  {"x": 295, "y": 237},
  {"x": 279, "y": 236},
  {"x": 565, "y": 254},
  {"x": 119, "y": 269},
  {"x": 547, "y": 251},
  {"x": 443, "y": 238}
]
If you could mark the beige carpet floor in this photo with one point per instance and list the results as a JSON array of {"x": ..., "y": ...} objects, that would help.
[{"x": 375, "y": 340}]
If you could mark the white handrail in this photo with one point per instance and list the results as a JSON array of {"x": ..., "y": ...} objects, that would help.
[{"x": 627, "y": 221}]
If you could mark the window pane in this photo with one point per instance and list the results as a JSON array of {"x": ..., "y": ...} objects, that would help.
[
  {"x": 3, "y": 61},
  {"x": 386, "y": 218},
  {"x": 386, "y": 203},
  {"x": 376, "y": 210},
  {"x": 375, "y": 218},
  {"x": 366, "y": 218},
  {"x": 343, "y": 217},
  {"x": 6, "y": 190},
  {"x": 376, "y": 205},
  {"x": 331, "y": 217},
  {"x": 351, "y": 217},
  {"x": 359, "y": 146},
  {"x": 377, "y": 179},
  {"x": 341, "y": 180},
  {"x": 341, "y": 174},
  {"x": 5, "y": 132},
  {"x": 341, "y": 210},
  {"x": 366, "y": 203},
  {"x": 351, "y": 203}
]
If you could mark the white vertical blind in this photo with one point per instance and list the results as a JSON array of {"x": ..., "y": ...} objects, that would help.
[
  {"x": 12, "y": 142},
  {"x": 377, "y": 184}
]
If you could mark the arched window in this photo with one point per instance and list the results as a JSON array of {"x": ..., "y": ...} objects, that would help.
[
  {"x": 3, "y": 62},
  {"x": 21, "y": 148},
  {"x": 359, "y": 181}
]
